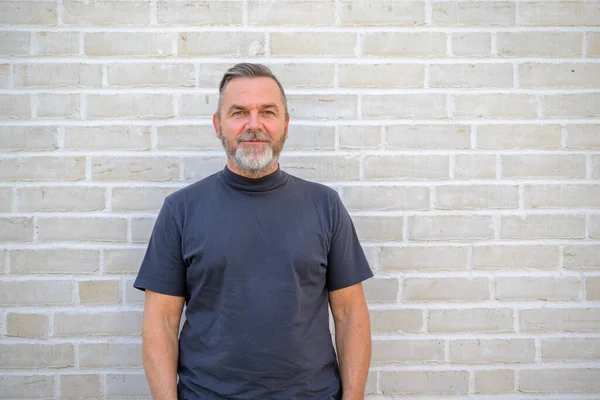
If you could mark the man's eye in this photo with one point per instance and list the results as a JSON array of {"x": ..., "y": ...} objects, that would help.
[
  {"x": 238, "y": 113},
  {"x": 268, "y": 112}
]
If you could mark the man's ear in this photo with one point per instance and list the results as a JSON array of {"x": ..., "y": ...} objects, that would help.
[
  {"x": 217, "y": 125},
  {"x": 287, "y": 124}
]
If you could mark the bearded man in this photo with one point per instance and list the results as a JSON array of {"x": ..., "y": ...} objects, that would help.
[{"x": 256, "y": 255}]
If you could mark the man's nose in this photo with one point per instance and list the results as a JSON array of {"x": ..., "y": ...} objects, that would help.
[{"x": 253, "y": 120}]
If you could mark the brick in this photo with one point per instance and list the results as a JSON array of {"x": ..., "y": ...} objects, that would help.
[
  {"x": 323, "y": 107},
  {"x": 198, "y": 105},
  {"x": 123, "y": 261},
  {"x": 144, "y": 198},
  {"x": 92, "y": 229},
  {"x": 382, "y": 13},
  {"x": 52, "y": 105},
  {"x": 61, "y": 198},
  {"x": 494, "y": 381},
  {"x": 5, "y": 75},
  {"x": 418, "y": 167},
  {"x": 471, "y": 320},
  {"x": 492, "y": 351},
  {"x": 27, "y": 325},
  {"x": 318, "y": 44},
  {"x": 560, "y": 13},
  {"x": 15, "y": 106},
  {"x": 23, "y": 138},
  {"x": 99, "y": 292},
  {"x": 106, "y": 137},
  {"x": 104, "y": 13},
  {"x": 470, "y": 76},
  {"x": 121, "y": 323},
  {"x": 473, "y": 197},
  {"x": 321, "y": 13},
  {"x": 299, "y": 76},
  {"x": 470, "y": 166},
  {"x": 6, "y": 196},
  {"x": 466, "y": 44},
  {"x": 459, "y": 13},
  {"x": 56, "y": 43},
  {"x": 582, "y": 257},
  {"x": 221, "y": 44},
  {"x": 31, "y": 356},
  {"x": 570, "y": 349},
  {"x": 564, "y": 75},
  {"x": 595, "y": 226},
  {"x": 424, "y": 258},
  {"x": 381, "y": 75},
  {"x": 595, "y": 167},
  {"x": 424, "y": 382},
  {"x": 54, "y": 261},
  {"x": 386, "y": 198},
  {"x": 28, "y": 13},
  {"x": 198, "y": 13},
  {"x": 151, "y": 75},
  {"x": 187, "y": 137},
  {"x": 141, "y": 229},
  {"x": 510, "y": 257},
  {"x": 130, "y": 44},
  {"x": 32, "y": 386},
  {"x": 524, "y": 136},
  {"x": 543, "y": 227},
  {"x": 568, "y": 380},
  {"x": 359, "y": 137},
  {"x": 16, "y": 229},
  {"x": 538, "y": 288},
  {"x": 197, "y": 168},
  {"x": 42, "y": 168},
  {"x": 133, "y": 296},
  {"x": 560, "y": 320},
  {"x": 396, "y": 321},
  {"x": 400, "y": 137},
  {"x": 592, "y": 286},
  {"x": 110, "y": 355},
  {"x": 378, "y": 229},
  {"x": 127, "y": 385},
  {"x": 585, "y": 136},
  {"x": 28, "y": 293},
  {"x": 579, "y": 105},
  {"x": 106, "y": 168},
  {"x": 129, "y": 106},
  {"x": 539, "y": 44},
  {"x": 562, "y": 196},
  {"x": 58, "y": 75},
  {"x": 451, "y": 227},
  {"x": 80, "y": 387},
  {"x": 371, "y": 385},
  {"x": 593, "y": 49},
  {"x": 445, "y": 289},
  {"x": 381, "y": 290},
  {"x": 322, "y": 168},
  {"x": 495, "y": 105},
  {"x": 408, "y": 351},
  {"x": 402, "y": 44},
  {"x": 404, "y": 106},
  {"x": 14, "y": 43},
  {"x": 540, "y": 166},
  {"x": 307, "y": 137}
]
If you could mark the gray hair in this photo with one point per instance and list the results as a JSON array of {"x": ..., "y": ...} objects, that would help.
[{"x": 248, "y": 70}]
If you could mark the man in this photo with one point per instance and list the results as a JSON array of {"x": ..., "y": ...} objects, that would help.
[{"x": 256, "y": 255}]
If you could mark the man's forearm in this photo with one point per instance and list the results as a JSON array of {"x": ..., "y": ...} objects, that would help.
[
  {"x": 353, "y": 342},
  {"x": 161, "y": 351}
]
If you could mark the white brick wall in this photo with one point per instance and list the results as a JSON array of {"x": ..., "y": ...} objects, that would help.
[{"x": 463, "y": 136}]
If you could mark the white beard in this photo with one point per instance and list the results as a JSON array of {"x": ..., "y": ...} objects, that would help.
[{"x": 253, "y": 160}]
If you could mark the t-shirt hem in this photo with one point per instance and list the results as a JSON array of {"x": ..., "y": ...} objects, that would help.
[
  {"x": 155, "y": 287},
  {"x": 351, "y": 282}
]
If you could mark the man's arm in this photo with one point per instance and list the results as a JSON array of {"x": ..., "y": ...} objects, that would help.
[
  {"x": 352, "y": 338},
  {"x": 160, "y": 344}
]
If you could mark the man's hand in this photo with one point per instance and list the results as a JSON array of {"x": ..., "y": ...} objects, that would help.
[
  {"x": 352, "y": 338},
  {"x": 160, "y": 345}
]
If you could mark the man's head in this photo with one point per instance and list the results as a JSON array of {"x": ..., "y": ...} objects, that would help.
[{"x": 251, "y": 119}]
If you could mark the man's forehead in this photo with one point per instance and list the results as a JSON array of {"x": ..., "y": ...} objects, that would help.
[{"x": 256, "y": 87}]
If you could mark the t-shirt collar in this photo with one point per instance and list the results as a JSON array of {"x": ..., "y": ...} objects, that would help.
[{"x": 265, "y": 183}]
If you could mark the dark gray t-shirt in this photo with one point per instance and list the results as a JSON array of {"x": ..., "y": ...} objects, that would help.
[{"x": 254, "y": 259}]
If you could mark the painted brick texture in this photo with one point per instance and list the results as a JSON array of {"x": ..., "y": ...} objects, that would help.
[{"x": 463, "y": 137}]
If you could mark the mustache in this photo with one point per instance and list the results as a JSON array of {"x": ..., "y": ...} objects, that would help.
[{"x": 248, "y": 136}]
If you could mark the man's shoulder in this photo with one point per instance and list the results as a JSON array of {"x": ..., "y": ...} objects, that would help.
[
  {"x": 195, "y": 191},
  {"x": 313, "y": 188}
]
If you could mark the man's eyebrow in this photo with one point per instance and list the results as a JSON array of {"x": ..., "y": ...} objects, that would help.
[
  {"x": 236, "y": 107},
  {"x": 270, "y": 105}
]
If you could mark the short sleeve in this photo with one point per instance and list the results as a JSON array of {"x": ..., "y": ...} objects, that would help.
[
  {"x": 163, "y": 269},
  {"x": 346, "y": 261}
]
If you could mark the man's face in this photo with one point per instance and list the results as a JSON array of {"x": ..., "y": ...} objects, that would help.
[{"x": 253, "y": 125}]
